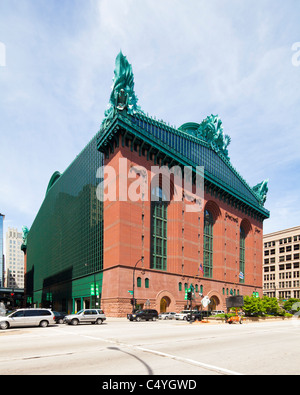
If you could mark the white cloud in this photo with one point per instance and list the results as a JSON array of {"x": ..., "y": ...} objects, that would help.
[{"x": 190, "y": 59}]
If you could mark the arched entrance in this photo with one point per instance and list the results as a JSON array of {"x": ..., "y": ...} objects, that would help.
[
  {"x": 214, "y": 302},
  {"x": 164, "y": 304}
]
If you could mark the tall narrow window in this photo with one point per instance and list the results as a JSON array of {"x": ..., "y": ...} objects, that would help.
[
  {"x": 242, "y": 254},
  {"x": 139, "y": 282},
  {"x": 159, "y": 216},
  {"x": 208, "y": 244}
]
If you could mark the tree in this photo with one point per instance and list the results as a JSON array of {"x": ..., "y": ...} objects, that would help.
[
  {"x": 288, "y": 305},
  {"x": 253, "y": 306},
  {"x": 260, "y": 306},
  {"x": 271, "y": 305}
]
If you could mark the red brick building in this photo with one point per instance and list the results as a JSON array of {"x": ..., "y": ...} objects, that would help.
[
  {"x": 149, "y": 208},
  {"x": 152, "y": 242}
]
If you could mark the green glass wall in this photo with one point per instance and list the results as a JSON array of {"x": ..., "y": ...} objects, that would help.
[{"x": 65, "y": 240}]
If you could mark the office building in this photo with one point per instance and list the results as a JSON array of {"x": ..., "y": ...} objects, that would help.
[
  {"x": 281, "y": 270},
  {"x": 14, "y": 259}
]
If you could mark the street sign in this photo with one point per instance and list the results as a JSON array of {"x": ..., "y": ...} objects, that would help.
[
  {"x": 205, "y": 301},
  {"x": 235, "y": 301},
  {"x": 131, "y": 292}
]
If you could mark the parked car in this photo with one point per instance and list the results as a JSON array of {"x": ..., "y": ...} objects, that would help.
[
  {"x": 167, "y": 316},
  {"x": 147, "y": 315},
  {"x": 28, "y": 317},
  {"x": 183, "y": 314},
  {"x": 216, "y": 312},
  {"x": 93, "y": 316},
  {"x": 198, "y": 315},
  {"x": 59, "y": 317}
]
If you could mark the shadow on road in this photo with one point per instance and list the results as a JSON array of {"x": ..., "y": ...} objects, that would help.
[{"x": 150, "y": 371}]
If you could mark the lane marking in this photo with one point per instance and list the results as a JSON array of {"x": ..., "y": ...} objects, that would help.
[
  {"x": 203, "y": 365},
  {"x": 192, "y": 361}
]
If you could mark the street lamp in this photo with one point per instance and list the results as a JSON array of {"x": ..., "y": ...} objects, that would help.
[{"x": 133, "y": 304}]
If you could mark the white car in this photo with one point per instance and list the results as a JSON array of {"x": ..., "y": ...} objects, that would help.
[
  {"x": 28, "y": 317},
  {"x": 215, "y": 312},
  {"x": 183, "y": 314},
  {"x": 93, "y": 316},
  {"x": 167, "y": 316}
]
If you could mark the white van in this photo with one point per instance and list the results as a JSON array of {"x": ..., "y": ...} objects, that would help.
[
  {"x": 28, "y": 317},
  {"x": 215, "y": 312}
]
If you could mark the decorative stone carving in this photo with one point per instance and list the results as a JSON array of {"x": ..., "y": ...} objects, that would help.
[
  {"x": 261, "y": 191},
  {"x": 211, "y": 130},
  {"x": 122, "y": 96}
]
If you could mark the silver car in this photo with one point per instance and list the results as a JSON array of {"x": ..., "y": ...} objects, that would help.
[
  {"x": 94, "y": 316},
  {"x": 167, "y": 316},
  {"x": 28, "y": 317}
]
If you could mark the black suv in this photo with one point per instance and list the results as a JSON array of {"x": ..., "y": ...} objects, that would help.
[
  {"x": 147, "y": 315},
  {"x": 198, "y": 315}
]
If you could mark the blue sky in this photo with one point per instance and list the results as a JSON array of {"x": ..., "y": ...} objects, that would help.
[{"x": 191, "y": 58}]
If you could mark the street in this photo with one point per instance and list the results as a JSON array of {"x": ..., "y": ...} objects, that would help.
[{"x": 120, "y": 347}]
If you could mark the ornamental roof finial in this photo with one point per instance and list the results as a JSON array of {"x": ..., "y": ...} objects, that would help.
[{"x": 122, "y": 96}]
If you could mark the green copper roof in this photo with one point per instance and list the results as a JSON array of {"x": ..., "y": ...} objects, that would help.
[
  {"x": 55, "y": 176},
  {"x": 192, "y": 144}
]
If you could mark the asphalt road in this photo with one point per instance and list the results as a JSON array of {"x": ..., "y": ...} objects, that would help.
[{"x": 120, "y": 347}]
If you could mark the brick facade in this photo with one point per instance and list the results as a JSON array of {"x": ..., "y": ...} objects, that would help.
[{"x": 127, "y": 237}]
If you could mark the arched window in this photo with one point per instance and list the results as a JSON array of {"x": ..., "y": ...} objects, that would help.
[
  {"x": 242, "y": 254},
  {"x": 180, "y": 286},
  {"x": 139, "y": 282},
  {"x": 159, "y": 216},
  {"x": 146, "y": 282},
  {"x": 208, "y": 244}
]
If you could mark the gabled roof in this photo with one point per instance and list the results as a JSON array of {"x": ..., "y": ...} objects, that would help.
[
  {"x": 177, "y": 146},
  {"x": 192, "y": 144}
]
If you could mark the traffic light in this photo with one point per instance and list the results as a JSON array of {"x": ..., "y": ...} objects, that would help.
[
  {"x": 188, "y": 294},
  {"x": 132, "y": 301}
]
